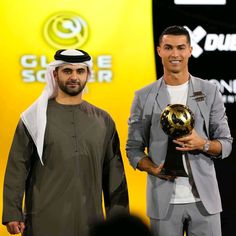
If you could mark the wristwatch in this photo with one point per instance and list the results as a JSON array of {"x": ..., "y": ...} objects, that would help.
[{"x": 206, "y": 146}]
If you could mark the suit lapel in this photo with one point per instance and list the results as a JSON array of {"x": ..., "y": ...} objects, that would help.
[
  {"x": 197, "y": 99},
  {"x": 191, "y": 102},
  {"x": 162, "y": 97}
]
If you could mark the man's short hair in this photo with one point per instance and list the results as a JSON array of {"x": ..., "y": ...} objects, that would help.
[{"x": 175, "y": 30}]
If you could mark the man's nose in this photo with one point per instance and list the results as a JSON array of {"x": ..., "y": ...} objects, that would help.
[
  {"x": 174, "y": 52},
  {"x": 74, "y": 74}
]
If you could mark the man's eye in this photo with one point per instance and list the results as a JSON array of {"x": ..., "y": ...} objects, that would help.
[
  {"x": 81, "y": 71},
  {"x": 181, "y": 48},
  {"x": 67, "y": 71}
]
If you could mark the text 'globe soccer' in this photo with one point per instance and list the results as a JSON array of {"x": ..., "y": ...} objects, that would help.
[{"x": 177, "y": 120}]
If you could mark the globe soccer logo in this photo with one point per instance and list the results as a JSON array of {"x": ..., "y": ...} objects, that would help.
[{"x": 65, "y": 29}]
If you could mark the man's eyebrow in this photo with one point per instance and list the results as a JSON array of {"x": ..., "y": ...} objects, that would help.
[
  {"x": 171, "y": 45},
  {"x": 69, "y": 68}
]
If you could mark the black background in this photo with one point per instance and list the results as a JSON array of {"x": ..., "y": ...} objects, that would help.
[{"x": 209, "y": 65}]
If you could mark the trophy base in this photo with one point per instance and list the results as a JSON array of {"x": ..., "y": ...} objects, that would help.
[{"x": 180, "y": 173}]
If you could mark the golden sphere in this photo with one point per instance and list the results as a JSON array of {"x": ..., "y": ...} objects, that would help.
[{"x": 177, "y": 120}]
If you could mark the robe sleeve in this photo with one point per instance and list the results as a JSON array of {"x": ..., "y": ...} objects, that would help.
[
  {"x": 16, "y": 174},
  {"x": 114, "y": 181}
]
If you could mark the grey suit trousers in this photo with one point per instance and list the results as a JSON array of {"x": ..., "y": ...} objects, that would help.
[{"x": 195, "y": 218}]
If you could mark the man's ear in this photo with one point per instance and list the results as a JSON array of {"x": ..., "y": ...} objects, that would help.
[
  {"x": 191, "y": 50},
  {"x": 158, "y": 50}
]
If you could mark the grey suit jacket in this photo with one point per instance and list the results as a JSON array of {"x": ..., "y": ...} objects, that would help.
[{"x": 145, "y": 133}]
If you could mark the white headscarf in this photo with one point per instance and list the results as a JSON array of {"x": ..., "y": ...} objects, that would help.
[{"x": 35, "y": 117}]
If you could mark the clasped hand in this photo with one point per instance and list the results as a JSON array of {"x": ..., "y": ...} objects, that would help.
[{"x": 190, "y": 142}]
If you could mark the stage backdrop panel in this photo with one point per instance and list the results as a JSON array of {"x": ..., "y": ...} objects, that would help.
[
  {"x": 118, "y": 35},
  {"x": 212, "y": 27}
]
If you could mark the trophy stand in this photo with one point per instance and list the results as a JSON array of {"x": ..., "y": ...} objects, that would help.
[{"x": 173, "y": 164}]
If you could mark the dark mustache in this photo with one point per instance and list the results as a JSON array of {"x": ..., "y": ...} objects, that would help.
[{"x": 75, "y": 82}]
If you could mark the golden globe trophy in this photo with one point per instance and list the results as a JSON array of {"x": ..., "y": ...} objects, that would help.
[{"x": 177, "y": 120}]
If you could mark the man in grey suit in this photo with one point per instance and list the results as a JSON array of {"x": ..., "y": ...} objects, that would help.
[{"x": 174, "y": 202}]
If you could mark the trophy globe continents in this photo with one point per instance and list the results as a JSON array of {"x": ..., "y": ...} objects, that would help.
[{"x": 177, "y": 120}]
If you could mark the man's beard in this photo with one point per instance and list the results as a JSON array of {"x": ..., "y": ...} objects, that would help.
[{"x": 65, "y": 87}]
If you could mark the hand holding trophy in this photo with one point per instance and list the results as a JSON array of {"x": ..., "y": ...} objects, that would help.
[{"x": 177, "y": 120}]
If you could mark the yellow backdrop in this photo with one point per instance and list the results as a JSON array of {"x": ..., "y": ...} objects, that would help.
[{"x": 118, "y": 34}]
